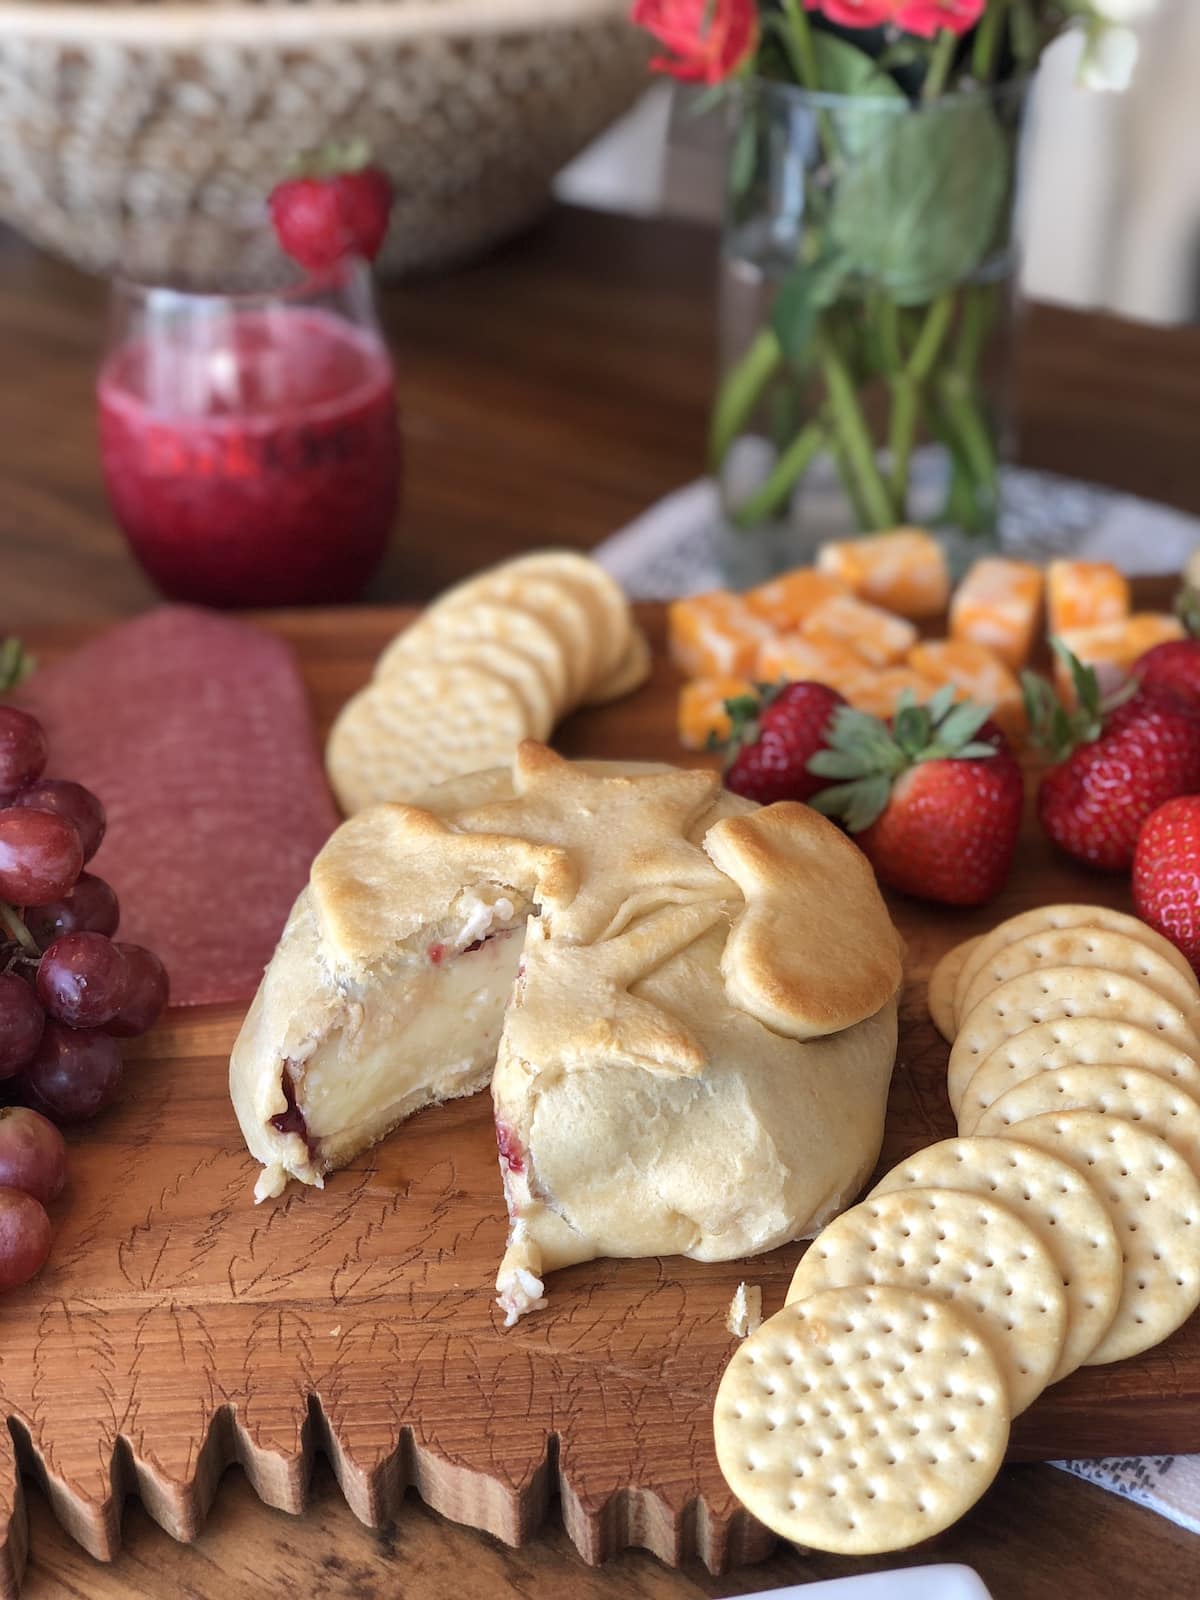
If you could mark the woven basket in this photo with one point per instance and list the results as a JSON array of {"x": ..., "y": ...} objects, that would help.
[{"x": 144, "y": 138}]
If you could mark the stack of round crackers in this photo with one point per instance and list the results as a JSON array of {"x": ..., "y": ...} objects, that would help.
[
  {"x": 1061, "y": 1228},
  {"x": 501, "y": 658}
]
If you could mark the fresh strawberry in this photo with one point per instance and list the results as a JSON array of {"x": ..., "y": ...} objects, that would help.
[
  {"x": 1176, "y": 664},
  {"x": 1117, "y": 761},
  {"x": 775, "y": 734},
  {"x": 335, "y": 207},
  {"x": 934, "y": 798},
  {"x": 1166, "y": 874}
]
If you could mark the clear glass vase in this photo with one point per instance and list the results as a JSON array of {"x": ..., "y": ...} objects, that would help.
[{"x": 866, "y": 306}]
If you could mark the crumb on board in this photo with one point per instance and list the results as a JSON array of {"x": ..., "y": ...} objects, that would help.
[{"x": 745, "y": 1310}]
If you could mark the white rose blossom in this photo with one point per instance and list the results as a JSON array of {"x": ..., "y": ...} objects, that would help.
[{"x": 1124, "y": 11}]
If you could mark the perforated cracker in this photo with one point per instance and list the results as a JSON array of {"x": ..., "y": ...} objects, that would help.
[
  {"x": 430, "y": 722},
  {"x": 444, "y": 631},
  {"x": 1068, "y": 1042},
  {"x": 861, "y": 1420},
  {"x": 1052, "y": 992},
  {"x": 1041, "y": 918},
  {"x": 601, "y": 594},
  {"x": 1060, "y": 1206},
  {"x": 556, "y": 604},
  {"x": 940, "y": 993},
  {"x": 1153, "y": 1103},
  {"x": 1153, "y": 1199},
  {"x": 1085, "y": 946},
  {"x": 970, "y": 1250}
]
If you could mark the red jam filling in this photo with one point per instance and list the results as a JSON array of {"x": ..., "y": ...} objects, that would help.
[
  {"x": 291, "y": 1120},
  {"x": 509, "y": 1148}
]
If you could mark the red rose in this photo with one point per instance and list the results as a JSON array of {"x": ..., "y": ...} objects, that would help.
[
  {"x": 710, "y": 38},
  {"x": 854, "y": 13},
  {"x": 929, "y": 17}
]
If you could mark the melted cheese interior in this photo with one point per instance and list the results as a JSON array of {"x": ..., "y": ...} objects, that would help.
[{"x": 417, "y": 1038}]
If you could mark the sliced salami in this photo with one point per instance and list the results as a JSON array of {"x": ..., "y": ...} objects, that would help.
[{"x": 195, "y": 731}]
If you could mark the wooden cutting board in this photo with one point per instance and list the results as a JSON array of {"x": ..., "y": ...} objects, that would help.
[{"x": 178, "y": 1327}]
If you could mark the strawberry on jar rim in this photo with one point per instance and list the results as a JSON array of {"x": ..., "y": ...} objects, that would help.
[
  {"x": 774, "y": 734},
  {"x": 335, "y": 206},
  {"x": 933, "y": 798},
  {"x": 1115, "y": 761}
]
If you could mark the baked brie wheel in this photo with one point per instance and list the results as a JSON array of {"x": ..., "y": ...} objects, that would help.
[{"x": 685, "y": 1005}]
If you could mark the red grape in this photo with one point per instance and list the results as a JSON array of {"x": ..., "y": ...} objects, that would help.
[
  {"x": 21, "y": 1021},
  {"x": 70, "y": 800},
  {"x": 24, "y": 1238},
  {"x": 81, "y": 980},
  {"x": 33, "y": 1157},
  {"x": 40, "y": 856},
  {"x": 91, "y": 907},
  {"x": 22, "y": 749},
  {"x": 74, "y": 1074},
  {"x": 145, "y": 993}
]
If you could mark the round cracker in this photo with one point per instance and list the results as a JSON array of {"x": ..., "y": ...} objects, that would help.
[
  {"x": 972, "y": 1251},
  {"x": 1052, "y": 992},
  {"x": 940, "y": 991},
  {"x": 1084, "y": 946},
  {"x": 597, "y": 589},
  {"x": 1051, "y": 1197},
  {"x": 1153, "y": 1198},
  {"x": 629, "y": 674},
  {"x": 554, "y": 603},
  {"x": 861, "y": 1420},
  {"x": 517, "y": 669},
  {"x": 443, "y": 633},
  {"x": 1041, "y": 918},
  {"x": 1130, "y": 1092},
  {"x": 1071, "y": 1042},
  {"x": 398, "y": 737}
]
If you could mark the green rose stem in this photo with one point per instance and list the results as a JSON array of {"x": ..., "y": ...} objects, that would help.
[
  {"x": 986, "y": 47},
  {"x": 941, "y": 59},
  {"x": 853, "y": 432},
  {"x": 740, "y": 393},
  {"x": 790, "y": 467},
  {"x": 908, "y": 389},
  {"x": 799, "y": 43}
]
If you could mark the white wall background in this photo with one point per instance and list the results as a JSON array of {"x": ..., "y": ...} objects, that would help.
[{"x": 1113, "y": 188}]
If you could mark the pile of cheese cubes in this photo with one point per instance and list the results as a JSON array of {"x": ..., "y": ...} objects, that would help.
[{"x": 851, "y": 620}]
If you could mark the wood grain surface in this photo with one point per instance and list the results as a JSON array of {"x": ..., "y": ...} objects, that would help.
[{"x": 178, "y": 1328}]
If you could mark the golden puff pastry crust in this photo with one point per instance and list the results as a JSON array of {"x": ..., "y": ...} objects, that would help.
[{"x": 685, "y": 1004}]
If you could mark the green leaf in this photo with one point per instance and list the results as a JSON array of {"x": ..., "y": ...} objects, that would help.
[
  {"x": 844, "y": 69},
  {"x": 800, "y": 298},
  {"x": 939, "y": 702},
  {"x": 961, "y": 724},
  {"x": 858, "y": 804},
  {"x": 919, "y": 209},
  {"x": 840, "y": 764}
]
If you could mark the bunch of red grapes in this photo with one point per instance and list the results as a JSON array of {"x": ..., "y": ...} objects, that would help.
[{"x": 68, "y": 991}]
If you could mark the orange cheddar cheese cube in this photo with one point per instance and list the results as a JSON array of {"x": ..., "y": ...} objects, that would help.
[
  {"x": 879, "y": 636},
  {"x": 786, "y": 601},
  {"x": 1084, "y": 594},
  {"x": 1111, "y": 648},
  {"x": 880, "y": 693},
  {"x": 997, "y": 605},
  {"x": 977, "y": 673},
  {"x": 904, "y": 571},
  {"x": 714, "y": 635},
  {"x": 702, "y": 715},
  {"x": 792, "y": 657}
]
